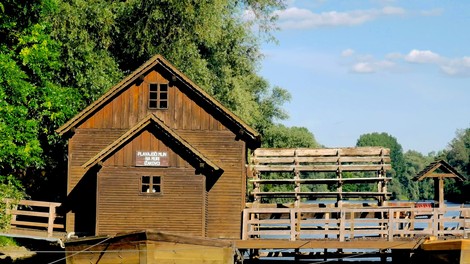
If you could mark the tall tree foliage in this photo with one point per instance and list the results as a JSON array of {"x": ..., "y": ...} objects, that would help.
[
  {"x": 399, "y": 179},
  {"x": 414, "y": 163},
  {"x": 32, "y": 105},
  {"x": 57, "y": 56},
  {"x": 280, "y": 136},
  {"x": 86, "y": 30},
  {"x": 458, "y": 156}
]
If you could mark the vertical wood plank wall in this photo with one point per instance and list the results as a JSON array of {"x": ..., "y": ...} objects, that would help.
[
  {"x": 117, "y": 179},
  {"x": 179, "y": 209}
]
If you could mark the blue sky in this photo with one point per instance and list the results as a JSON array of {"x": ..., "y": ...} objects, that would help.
[{"x": 357, "y": 66}]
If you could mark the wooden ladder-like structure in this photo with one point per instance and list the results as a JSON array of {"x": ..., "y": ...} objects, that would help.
[{"x": 299, "y": 161}]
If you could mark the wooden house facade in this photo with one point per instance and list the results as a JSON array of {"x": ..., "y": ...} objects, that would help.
[{"x": 157, "y": 152}]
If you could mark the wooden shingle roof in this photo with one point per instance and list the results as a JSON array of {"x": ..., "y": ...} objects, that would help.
[
  {"x": 447, "y": 171},
  {"x": 196, "y": 159},
  {"x": 243, "y": 130}
]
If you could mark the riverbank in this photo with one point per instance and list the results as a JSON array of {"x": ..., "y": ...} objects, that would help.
[{"x": 31, "y": 251}]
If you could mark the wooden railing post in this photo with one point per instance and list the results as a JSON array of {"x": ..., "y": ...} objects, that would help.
[
  {"x": 293, "y": 228},
  {"x": 50, "y": 222},
  {"x": 435, "y": 222},
  {"x": 390, "y": 224},
  {"x": 342, "y": 225},
  {"x": 351, "y": 225},
  {"x": 245, "y": 225}
]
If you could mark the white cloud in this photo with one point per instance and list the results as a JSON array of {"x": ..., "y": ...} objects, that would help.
[
  {"x": 372, "y": 66},
  {"x": 423, "y": 56},
  {"x": 298, "y": 18},
  {"x": 457, "y": 67},
  {"x": 366, "y": 63},
  {"x": 362, "y": 67},
  {"x": 347, "y": 53}
]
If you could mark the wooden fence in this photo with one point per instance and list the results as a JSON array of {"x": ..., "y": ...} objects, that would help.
[
  {"x": 349, "y": 223},
  {"x": 34, "y": 215}
]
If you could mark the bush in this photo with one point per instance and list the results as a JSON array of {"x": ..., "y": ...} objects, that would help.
[
  {"x": 11, "y": 192},
  {"x": 7, "y": 241}
]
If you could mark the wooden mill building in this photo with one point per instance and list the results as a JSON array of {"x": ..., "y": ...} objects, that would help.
[
  {"x": 158, "y": 172},
  {"x": 157, "y": 152}
]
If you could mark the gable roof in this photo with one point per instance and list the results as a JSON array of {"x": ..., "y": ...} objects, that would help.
[
  {"x": 196, "y": 159},
  {"x": 243, "y": 130},
  {"x": 448, "y": 171}
]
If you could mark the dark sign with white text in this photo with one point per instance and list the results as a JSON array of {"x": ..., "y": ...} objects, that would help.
[{"x": 151, "y": 158}]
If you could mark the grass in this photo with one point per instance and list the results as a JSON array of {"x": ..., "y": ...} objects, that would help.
[{"x": 7, "y": 241}]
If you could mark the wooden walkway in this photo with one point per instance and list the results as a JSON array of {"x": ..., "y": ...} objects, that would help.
[
  {"x": 301, "y": 231},
  {"x": 348, "y": 224}
]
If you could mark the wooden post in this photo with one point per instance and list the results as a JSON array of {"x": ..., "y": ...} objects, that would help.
[
  {"x": 391, "y": 224},
  {"x": 297, "y": 189},
  {"x": 245, "y": 225},
  {"x": 297, "y": 181},
  {"x": 441, "y": 192},
  {"x": 435, "y": 222},
  {"x": 293, "y": 233},
  {"x": 342, "y": 225},
  {"x": 382, "y": 174},
  {"x": 339, "y": 202},
  {"x": 297, "y": 214},
  {"x": 379, "y": 189},
  {"x": 256, "y": 189},
  {"x": 351, "y": 229},
  {"x": 50, "y": 222},
  {"x": 327, "y": 218}
]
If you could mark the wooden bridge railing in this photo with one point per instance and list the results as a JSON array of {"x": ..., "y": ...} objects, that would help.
[
  {"x": 349, "y": 223},
  {"x": 35, "y": 215}
]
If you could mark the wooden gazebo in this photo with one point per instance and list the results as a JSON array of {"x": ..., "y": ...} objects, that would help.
[{"x": 438, "y": 171}]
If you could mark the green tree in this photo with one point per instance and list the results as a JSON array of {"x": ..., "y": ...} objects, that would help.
[
  {"x": 400, "y": 181},
  {"x": 85, "y": 30},
  {"x": 280, "y": 136},
  {"x": 458, "y": 156},
  {"x": 11, "y": 191},
  {"x": 414, "y": 163},
  {"x": 32, "y": 105}
]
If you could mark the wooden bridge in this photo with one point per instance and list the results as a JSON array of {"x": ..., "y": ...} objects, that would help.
[
  {"x": 344, "y": 224},
  {"x": 308, "y": 222}
]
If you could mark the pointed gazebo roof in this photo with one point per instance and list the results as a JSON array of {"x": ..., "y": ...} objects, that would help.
[{"x": 445, "y": 171}]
